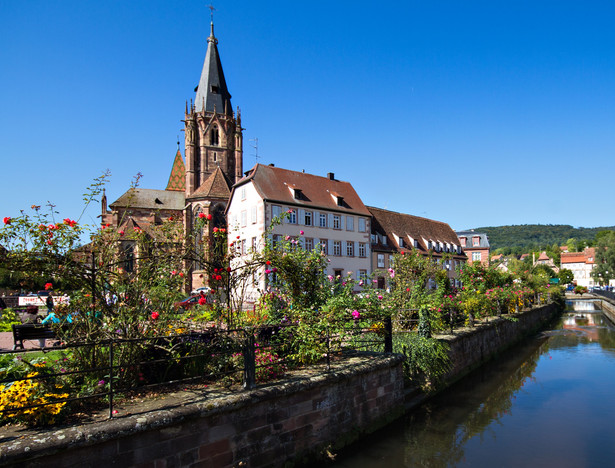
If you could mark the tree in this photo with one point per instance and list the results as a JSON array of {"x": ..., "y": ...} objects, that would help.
[
  {"x": 565, "y": 276},
  {"x": 604, "y": 271}
]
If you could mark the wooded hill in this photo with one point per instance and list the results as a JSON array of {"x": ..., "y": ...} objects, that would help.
[{"x": 527, "y": 237}]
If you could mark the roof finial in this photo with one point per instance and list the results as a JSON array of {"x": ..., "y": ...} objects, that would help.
[{"x": 212, "y": 38}]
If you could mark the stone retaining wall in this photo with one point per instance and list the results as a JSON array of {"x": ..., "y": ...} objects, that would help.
[
  {"x": 297, "y": 419},
  {"x": 471, "y": 347}
]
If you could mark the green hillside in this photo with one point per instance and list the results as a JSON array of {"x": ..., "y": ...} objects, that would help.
[{"x": 527, "y": 237}]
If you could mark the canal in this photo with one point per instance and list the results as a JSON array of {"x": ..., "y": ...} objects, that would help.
[{"x": 548, "y": 402}]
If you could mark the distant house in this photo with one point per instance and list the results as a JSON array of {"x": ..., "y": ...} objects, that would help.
[
  {"x": 394, "y": 232},
  {"x": 544, "y": 259},
  {"x": 475, "y": 245},
  {"x": 581, "y": 264},
  {"x": 324, "y": 213}
]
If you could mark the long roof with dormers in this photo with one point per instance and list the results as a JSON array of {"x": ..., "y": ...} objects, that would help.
[
  {"x": 299, "y": 189},
  {"x": 396, "y": 225},
  {"x": 150, "y": 199},
  {"x": 212, "y": 93}
]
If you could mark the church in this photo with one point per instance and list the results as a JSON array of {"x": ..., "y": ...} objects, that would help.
[{"x": 202, "y": 184}]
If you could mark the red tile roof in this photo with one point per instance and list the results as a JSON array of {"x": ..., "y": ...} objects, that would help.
[{"x": 274, "y": 184}]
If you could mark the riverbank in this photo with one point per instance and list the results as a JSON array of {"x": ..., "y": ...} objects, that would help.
[{"x": 295, "y": 420}]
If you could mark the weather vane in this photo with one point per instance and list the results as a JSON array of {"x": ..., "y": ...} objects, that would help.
[{"x": 212, "y": 9}]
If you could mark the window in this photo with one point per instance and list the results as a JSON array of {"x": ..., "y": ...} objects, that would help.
[
  {"x": 254, "y": 244},
  {"x": 374, "y": 238},
  {"x": 307, "y": 219},
  {"x": 391, "y": 260},
  {"x": 362, "y": 225},
  {"x": 475, "y": 241},
  {"x": 362, "y": 275},
  {"x": 362, "y": 249},
  {"x": 297, "y": 194},
  {"x": 244, "y": 218},
  {"x": 322, "y": 220},
  {"x": 416, "y": 243},
  {"x": 276, "y": 240},
  {"x": 349, "y": 223},
  {"x": 276, "y": 211},
  {"x": 476, "y": 256},
  {"x": 243, "y": 193},
  {"x": 337, "y": 222},
  {"x": 243, "y": 247},
  {"x": 337, "y": 248},
  {"x": 380, "y": 260},
  {"x": 253, "y": 215},
  {"x": 401, "y": 242},
  {"x": 292, "y": 218},
  {"x": 309, "y": 243},
  {"x": 324, "y": 243},
  {"x": 215, "y": 138},
  {"x": 215, "y": 157},
  {"x": 462, "y": 240},
  {"x": 349, "y": 249}
]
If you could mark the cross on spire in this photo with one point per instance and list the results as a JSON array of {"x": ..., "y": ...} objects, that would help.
[{"x": 212, "y": 9}]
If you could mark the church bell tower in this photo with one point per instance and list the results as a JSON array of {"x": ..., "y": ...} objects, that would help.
[{"x": 213, "y": 131}]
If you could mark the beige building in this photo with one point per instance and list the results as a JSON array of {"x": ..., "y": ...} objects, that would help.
[
  {"x": 324, "y": 213},
  {"x": 581, "y": 264}
]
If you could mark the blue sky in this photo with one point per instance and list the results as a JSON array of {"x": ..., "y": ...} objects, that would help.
[{"x": 474, "y": 113}]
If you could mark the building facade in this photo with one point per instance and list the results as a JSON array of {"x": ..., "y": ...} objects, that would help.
[
  {"x": 323, "y": 213},
  {"x": 475, "y": 245},
  {"x": 581, "y": 264}
]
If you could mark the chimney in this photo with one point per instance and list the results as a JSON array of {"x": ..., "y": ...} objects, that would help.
[{"x": 331, "y": 175}]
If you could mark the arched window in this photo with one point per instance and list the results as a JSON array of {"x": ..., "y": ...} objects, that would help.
[
  {"x": 215, "y": 137},
  {"x": 128, "y": 256}
]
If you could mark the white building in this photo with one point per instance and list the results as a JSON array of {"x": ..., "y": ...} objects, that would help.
[
  {"x": 581, "y": 264},
  {"x": 324, "y": 212}
]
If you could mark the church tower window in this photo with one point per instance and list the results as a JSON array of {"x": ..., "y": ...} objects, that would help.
[{"x": 215, "y": 137}]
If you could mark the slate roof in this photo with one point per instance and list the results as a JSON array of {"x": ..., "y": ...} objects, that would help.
[
  {"x": 150, "y": 199},
  {"x": 177, "y": 179},
  {"x": 215, "y": 186},
  {"x": 280, "y": 185},
  {"x": 483, "y": 242},
  {"x": 407, "y": 226},
  {"x": 212, "y": 90}
]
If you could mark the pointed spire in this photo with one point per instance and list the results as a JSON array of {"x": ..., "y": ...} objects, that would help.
[{"x": 212, "y": 90}]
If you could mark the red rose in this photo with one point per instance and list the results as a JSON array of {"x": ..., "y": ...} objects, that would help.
[
  {"x": 48, "y": 286},
  {"x": 202, "y": 301},
  {"x": 155, "y": 315},
  {"x": 228, "y": 269},
  {"x": 209, "y": 217},
  {"x": 267, "y": 262},
  {"x": 201, "y": 215}
]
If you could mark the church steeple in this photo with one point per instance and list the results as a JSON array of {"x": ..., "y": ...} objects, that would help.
[
  {"x": 213, "y": 131},
  {"x": 212, "y": 93}
]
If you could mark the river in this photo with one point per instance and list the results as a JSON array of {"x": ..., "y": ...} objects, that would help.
[{"x": 548, "y": 402}]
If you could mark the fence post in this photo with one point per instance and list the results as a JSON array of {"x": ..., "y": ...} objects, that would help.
[
  {"x": 328, "y": 349},
  {"x": 111, "y": 379},
  {"x": 388, "y": 335},
  {"x": 249, "y": 361}
]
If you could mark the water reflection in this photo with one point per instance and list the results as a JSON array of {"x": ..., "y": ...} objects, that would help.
[{"x": 512, "y": 412}]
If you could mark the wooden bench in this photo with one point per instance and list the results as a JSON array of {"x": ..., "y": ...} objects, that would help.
[{"x": 30, "y": 331}]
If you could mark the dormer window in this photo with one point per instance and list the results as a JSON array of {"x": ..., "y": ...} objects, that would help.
[
  {"x": 297, "y": 194},
  {"x": 340, "y": 201},
  {"x": 416, "y": 243},
  {"x": 401, "y": 242},
  {"x": 214, "y": 136},
  {"x": 215, "y": 89}
]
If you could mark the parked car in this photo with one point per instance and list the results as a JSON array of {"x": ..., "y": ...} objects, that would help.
[
  {"x": 205, "y": 289},
  {"x": 192, "y": 300}
]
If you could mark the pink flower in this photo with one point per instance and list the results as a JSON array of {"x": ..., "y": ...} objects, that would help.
[
  {"x": 379, "y": 297},
  {"x": 301, "y": 233},
  {"x": 173, "y": 273},
  {"x": 121, "y": 233},
  {"x": 267, "y": 271},
  {"x": 356, "y": 314}
]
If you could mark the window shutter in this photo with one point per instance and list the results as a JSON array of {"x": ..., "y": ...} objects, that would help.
[
  {"x": 330, "y": 221},
  {"x": 300, "y": 216}
]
